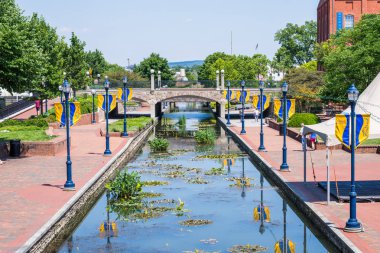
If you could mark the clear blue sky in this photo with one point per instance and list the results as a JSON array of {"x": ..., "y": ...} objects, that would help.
[{"x": 176, "y": 29}]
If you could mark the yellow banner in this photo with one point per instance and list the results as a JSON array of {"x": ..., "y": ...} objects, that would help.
[
  {"x": 342, "y": 129},
  {"x": 290, "y": 106}
]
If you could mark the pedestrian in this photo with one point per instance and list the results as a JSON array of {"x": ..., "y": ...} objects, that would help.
[
  {"x": 303, "y": 136},
  {"x": 256, "y": 112},
  {"x": 38, "y": 105},
  {"x": 313, "y": 140}
]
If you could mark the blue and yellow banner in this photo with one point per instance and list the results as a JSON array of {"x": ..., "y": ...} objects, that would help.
[
  {"x": 279, "y": 247},
  {"x": 120, "y": 94},
  {"x": 257, "y": 102},
  {"x": 342, "y": 129},
  {"x": 257, "y": 211},
  {"x": 228, "y": 95},
  {"x": 243, "y": 97},
  {"x": 109, "y": 228},
  {"x": 102, "y": 102},
  {"x": 290, "y": 107},
  {"x": 74, "y": 112}
]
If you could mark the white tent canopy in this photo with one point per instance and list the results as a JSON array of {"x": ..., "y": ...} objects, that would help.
[{"x": 368, "y": 103}]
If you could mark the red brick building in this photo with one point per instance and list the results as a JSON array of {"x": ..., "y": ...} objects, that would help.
[{"x": 334, "y": 15}]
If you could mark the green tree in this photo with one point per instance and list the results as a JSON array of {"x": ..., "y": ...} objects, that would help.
[
  {"x": 96, "y": 62},
  {"x": 75, "y": 64},
  {"x": 351, "y": 56},
  {"x": 297, "y": 44},
  {"x": 205, "y": 71},
  {"x": 304, "y": 85},
  {"x": 117, "y": 72},
  {"x": 21, "y": 61},
  {"x": 156, "y": 62}
]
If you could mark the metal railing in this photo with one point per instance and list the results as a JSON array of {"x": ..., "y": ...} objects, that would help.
[{"x": 14, "y": 108}]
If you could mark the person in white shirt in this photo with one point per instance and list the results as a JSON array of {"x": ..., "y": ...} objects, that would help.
[{"x": 256, "y": 112}]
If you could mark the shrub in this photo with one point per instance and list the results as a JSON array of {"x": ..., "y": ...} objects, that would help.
[
  {"x": 206, "y": 136},
  {"x": 306, "y": 118},
  {"x": 159, "y": 144},
  {"x": 126, "y": 186}
]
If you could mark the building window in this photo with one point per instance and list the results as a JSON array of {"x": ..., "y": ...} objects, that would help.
[{"x": 349, "y": 21}]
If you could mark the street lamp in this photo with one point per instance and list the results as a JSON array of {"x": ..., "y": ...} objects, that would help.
[
  {"x": 352, "y": 224},
  {"x": 124, "y": 133},
  {"x": 98, "y": 77},
  {"x": 222, "y": 79},
  {"x": 284, "y": 166},
  {"x": 69, "y": 185},
  {"x": 242, "y": 99},
  {"x": 93, "y": 92},
  {"x": 228, "y": 103},
  {"x": 261, "y": 148},
  {"x": 152, "y": 79},
  {"x": 107, "y": 152}
]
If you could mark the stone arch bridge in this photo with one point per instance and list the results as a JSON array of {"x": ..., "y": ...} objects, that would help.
[{"x": 156, "y": 98}]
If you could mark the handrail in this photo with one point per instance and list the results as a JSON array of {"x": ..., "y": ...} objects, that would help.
[{"x": 15, "y": 107}]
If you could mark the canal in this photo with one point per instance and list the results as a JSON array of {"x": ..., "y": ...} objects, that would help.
[{"x": 214, "y": 186}]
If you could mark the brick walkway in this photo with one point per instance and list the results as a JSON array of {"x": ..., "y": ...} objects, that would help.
[
  {"x": 27, "y": 114},
  {"x": 367, "y": 168},
  {"x": 31, "y": 186}
]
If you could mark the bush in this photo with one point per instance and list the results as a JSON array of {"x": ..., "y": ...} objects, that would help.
[
  {"x": 306, "y": 118},
  {"x": 159, "y": 144},
  {"x": 126, "y": 186},
  {"x": 206, "y": 136},
  {"x": 37, "y": 122}
]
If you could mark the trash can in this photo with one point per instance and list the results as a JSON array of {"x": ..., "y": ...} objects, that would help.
[{"x": 14, "y": 148}]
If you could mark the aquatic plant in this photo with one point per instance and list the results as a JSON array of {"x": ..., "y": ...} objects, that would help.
[
  {"x": 197, "y": 180},
  {"x": 207, "y": 136},
  {"x": 126, "y": 186},
  {"x": 247, "y": 249},
  {"x": 159, "y": 145},
  {"x": 219, "y": 156},
  {"x": 182, "y": 121},
  {"x": 151, "y": 194},
  {"x": 195, "y": 222},
  {"x": 216, "y": 172},
  {"x": 180, "y": 208},
  {"x": 154, "y": 183}
]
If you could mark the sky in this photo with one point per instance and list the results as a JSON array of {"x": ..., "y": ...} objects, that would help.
[{"x": 178, "y": 30}]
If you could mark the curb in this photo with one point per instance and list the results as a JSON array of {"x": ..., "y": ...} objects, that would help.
[{"x": 320, "y": 222}]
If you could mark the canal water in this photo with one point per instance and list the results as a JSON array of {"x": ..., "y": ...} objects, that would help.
[{"x": 229, "y": 201}]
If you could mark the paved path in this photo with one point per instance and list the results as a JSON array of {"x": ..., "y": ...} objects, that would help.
[
  {"x": 367, "y": 168},
  {"x": 31, "y": 187},
  {"x": 27, "y": 114}
]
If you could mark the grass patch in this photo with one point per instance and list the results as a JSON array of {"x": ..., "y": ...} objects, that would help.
[
  {"x": 133, "y": 124},
  {"x": 221, "y": 156},
  {"x": 32, "y": 135},
  {"x": 373, "y": 142}
]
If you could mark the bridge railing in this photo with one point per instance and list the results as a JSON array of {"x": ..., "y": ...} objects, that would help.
[{"x": 253, "y": 84}]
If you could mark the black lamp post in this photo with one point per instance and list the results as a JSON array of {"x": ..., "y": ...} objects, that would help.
[
  {"x": 261, "y": 148},
  {"x": 93, "y": 92},
  {"x": 107, "y": 152},
  {"x": 352, "y": 224},
  {"x": 242, "y": 99},
  {"x": 125, "y": 133},
  {"x": 284, "y": 166},
  {"x": 228, "y": 103},
  {"x": 69, "y": 185}
]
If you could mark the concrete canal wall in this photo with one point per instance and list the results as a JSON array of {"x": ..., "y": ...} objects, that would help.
[
  {"x": 61, "y": 225},
  {"x": 316, "y": 221}
]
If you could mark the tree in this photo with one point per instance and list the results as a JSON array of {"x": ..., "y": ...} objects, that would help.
[
  {"x": 351, "y": 56},
  {"x": 96, "y": 62},
  {"x": 156, "y": 62},
  {"x": 297, "y": 44},
  {"x": 205, "y": 71},
  {"x": 304, "y": 85},
  {"x": 21, "y": 61},
  {"x": 75, "y": 64},
  {"x": 116, "y": 73}
]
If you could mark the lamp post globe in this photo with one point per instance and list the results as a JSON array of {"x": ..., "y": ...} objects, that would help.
[
  {"x": 242, "y": 100},
  {"x": 107, "y": 152},
  {"x": 228, "y": 103},
  {"x": 125, "y": 96},
  {"x": 284, "y": 166},
  {"x": 93, "y": 92},
  {"x": 353, "y": 225},
  {"x": 69, "y": 185},
  {"x": 261, "y": 147}
]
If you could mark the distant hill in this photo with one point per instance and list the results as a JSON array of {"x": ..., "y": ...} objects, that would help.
[{"x": 185, "y": 63}]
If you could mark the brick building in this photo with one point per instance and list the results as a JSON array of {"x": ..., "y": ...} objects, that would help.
[{"x": 334, "y": 15}]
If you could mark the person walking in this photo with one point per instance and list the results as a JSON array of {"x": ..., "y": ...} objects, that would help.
[
  {"x": 301, "y": 133},
  {"x": 38, "y": 105},
  {"x": 313, "y": 140},
  {"x": 256, "y": 112}
]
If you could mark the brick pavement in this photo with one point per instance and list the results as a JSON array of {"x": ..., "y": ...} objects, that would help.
[
  {"x": 367, "y": 168},
  {"x": 31, "y": 187}
]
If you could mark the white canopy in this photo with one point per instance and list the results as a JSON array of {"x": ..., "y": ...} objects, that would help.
[{"x": 368, "y": 102}]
